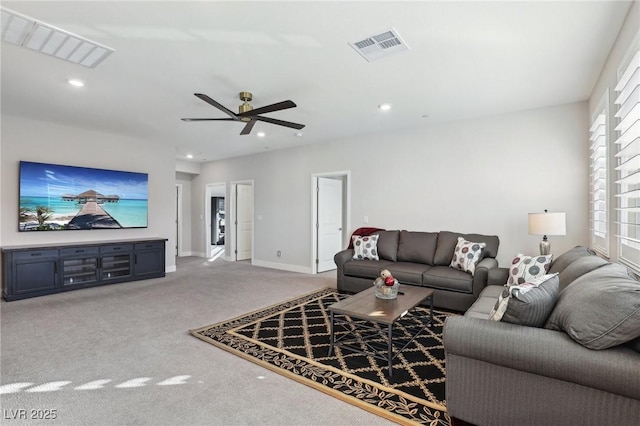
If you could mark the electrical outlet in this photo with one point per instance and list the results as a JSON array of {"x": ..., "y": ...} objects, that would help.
[{"x": 279, "y": 253}]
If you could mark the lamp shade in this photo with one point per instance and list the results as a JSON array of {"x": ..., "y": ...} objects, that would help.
[{"x": 551, "y": 223}]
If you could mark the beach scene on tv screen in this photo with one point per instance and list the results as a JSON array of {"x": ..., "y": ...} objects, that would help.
[{"x": 56, "y": 197}]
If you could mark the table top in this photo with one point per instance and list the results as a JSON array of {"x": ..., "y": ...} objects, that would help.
[{"x": 365, "y": 305}]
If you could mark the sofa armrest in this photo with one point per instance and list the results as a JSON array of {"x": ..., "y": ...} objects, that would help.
[
  {"x": 498, "y": 276},
  {"x": 543, "y": 352},
  {"x": 340, "y": 259},
  {"x": 481, "y": 274}
]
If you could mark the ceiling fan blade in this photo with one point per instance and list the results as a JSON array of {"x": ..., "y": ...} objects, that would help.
[
  {"x": 247, "y": 129},
  {"x": 208, "y": 119},
  {"x": 280, "y": 122},
  {"x": 269, "y": 108},
  {"x": 221, "y": 107}
]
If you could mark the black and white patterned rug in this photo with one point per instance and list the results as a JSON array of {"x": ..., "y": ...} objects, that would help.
[{"x": 292, "y": 338}]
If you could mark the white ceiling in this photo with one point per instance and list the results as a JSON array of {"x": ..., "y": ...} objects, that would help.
[{"x": 466, "y": 59}]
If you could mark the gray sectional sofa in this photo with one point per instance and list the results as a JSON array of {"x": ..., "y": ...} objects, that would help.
[
  {"x": 501, "y": 373},
  {"x": 421, "y": 259}
]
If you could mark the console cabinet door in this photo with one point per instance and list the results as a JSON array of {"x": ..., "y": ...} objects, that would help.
[
  {"x": 149, "y": 259},
  {"x": 116, "y": 263},
  {"x": 34, "y": 272},
  {"x": 79, "y": 266}
]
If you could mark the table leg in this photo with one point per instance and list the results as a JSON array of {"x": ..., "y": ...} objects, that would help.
[
  {"x": 431, "y": 311},
  {"x": 331, "y": 342},
  {"x": 390, "y": 349}
]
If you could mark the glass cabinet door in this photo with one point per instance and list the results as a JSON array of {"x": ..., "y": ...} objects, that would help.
[
  {"x": 79, "y": 271},
  {"x": 116, "y": 266}
]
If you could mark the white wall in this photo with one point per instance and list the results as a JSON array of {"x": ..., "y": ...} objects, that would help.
[
  {"x": 480, "y": 176},
  {"x": 29, "y": 140},
  {"x": 184, "y": 179}
]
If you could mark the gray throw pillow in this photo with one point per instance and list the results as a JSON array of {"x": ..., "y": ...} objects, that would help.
[
  {"x": 600, "y": 309},
  {"x": 529, "y": 304}
]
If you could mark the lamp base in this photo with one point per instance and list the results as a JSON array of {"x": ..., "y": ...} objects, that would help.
[{"x": 545, "y": 246}]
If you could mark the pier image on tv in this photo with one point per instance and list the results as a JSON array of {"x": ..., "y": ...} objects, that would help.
[{"x": 56, "y": 197}]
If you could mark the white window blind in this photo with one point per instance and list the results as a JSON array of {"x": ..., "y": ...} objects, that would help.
[
  {"x": 628, "y": 163},
  {"x": 599, "y": 203}
]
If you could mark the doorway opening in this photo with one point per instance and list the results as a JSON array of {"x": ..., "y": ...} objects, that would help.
[
  {"x": 215, "y": 220},
  {"x": 330, "y": 217}
]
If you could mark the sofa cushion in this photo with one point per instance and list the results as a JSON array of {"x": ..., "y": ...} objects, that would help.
[
  {"x": 417, "y": 247},
  {"x": 528, "y": 304},
  {"x": 634, "y": 344},
  {"x": 600, "y": 309},
  {"x": 578, "y": 268},
  {"x": 526, "y": 268},
  {"x": 407, "y": 272},
  {"x": 447, "y": 242},
  {"x": 365, "y": 247},
  {"x": 365, "y": 268},
  {"x": 388, "y": 245},
  {"x": 466, "y": 255},
  {"x": 446, "y": 278},
  {"x": 485, "y": 303},
  {"x": 568, "y": 257}
]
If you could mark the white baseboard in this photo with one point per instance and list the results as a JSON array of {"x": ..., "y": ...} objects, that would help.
[
  {"x": 283, "y": 266},
  {"x": 170, "y": 269}
]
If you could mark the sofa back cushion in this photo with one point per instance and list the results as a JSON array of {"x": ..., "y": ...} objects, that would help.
[
  {"x": 388, "y": 245},
  {"x": 565, "y": 259},
  {"x": 447, "y": 243},
  {"x": 600, "y": 309},
  {"x": 578, "y": 268},
  {"x": 418, "y": 247}
]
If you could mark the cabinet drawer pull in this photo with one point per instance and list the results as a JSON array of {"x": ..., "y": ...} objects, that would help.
[{"x": 36, "y": 254}]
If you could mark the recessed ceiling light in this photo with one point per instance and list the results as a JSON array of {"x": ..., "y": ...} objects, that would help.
[
  {"x": 384, "y": 107},
  {"x": 189, "y": 155},
  {"x": 299, "y": 134},
  {"x": 260, "y": 134},
  {"x": 75, "y": 82}
]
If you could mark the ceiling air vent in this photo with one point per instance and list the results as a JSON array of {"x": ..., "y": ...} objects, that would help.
[
  {"x": 35, "y": 35},
  {"x": 380, "y": 45}
]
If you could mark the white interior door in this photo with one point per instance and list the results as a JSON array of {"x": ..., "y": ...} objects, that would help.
[
  {"x": 329, "y": 222},
  {"x": 244, "y": 221}
]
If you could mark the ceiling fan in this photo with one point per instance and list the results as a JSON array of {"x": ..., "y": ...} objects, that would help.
[{"x": 247, "y": 114}]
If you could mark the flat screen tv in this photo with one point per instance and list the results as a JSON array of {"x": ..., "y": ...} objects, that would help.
[{"x": 55, "y": 197}]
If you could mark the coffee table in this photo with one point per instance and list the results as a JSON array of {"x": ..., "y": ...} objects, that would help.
[{"x": 366, "y": 320}]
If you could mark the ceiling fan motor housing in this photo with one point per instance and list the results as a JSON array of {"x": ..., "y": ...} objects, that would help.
[{"x": 245, "y": 97}]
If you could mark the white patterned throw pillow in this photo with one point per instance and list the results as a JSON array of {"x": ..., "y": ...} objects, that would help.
[
  {"x": 466, "y": 255},
  {"x": 365, "y": 247},
  {"x": 526, "y": 268}
]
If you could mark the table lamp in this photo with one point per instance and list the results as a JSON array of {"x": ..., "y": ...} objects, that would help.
[{"x": 547, "y": 223}]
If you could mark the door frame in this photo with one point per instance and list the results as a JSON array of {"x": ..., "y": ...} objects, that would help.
[
  {"x": 208, "y": 193},
  {"x": 345, "y": 175},
  {"x": 179, "y": 251},
  {"x": 233, "y": 248}
]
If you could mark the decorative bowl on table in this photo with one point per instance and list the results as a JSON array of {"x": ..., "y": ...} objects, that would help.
[{"x": 386, "y": 287}]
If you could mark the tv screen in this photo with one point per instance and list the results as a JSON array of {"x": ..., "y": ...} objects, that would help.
[{"x": 56, "y": 197}]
